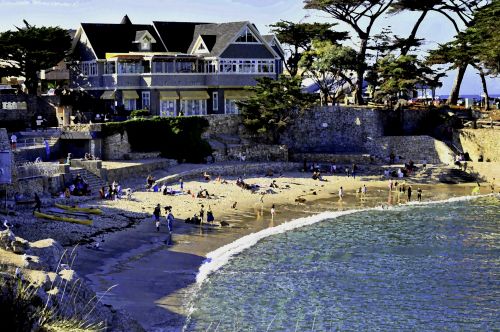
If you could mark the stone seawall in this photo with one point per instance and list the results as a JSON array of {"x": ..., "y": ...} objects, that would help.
[
  {"x": 334, "y": 130},
  {"x": 332, "y": 158},
  {"x": 137, "y": 169},
  {"x": 416, "y": 148},
  {"x": 476, "y": 142},
  {"x": 116, "y": 146}
]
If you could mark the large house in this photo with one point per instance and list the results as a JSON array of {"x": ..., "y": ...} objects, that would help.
[{"x": 173, "y": 68}]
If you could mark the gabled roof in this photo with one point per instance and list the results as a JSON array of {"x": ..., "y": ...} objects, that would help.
[
  {"x": 209, "y": 41},
  {"x": 177, "y": 36},
  {"x": 223, "y": 32},
  {"x": 117, "y": 38}
]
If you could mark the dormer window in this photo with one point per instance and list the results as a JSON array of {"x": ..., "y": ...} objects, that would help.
[
  {"x": 146, "y": 44},
  {"x": 246, "y": 36},
  {"x": 145, "y": 40}
]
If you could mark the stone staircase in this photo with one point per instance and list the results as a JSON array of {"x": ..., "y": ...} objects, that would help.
[{"x": 95, "y": 183}]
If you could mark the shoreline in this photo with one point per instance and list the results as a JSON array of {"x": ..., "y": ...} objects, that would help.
[{"x": 154, "y": 280}]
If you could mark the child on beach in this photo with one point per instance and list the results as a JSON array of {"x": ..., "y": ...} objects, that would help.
[
  {"x": 273, "y": 212},
  {"x": 341, "y": 192},
  {"x": 170, "y": 222},
  {"x": 202, "y": 213},
  {"x": 419, "y": 194},
  {"x": 363, "y": 190},
  {"x": 156, "y": 215},
  {"x": 210, "y": 215},
  {"x": 409, "y": 193}
]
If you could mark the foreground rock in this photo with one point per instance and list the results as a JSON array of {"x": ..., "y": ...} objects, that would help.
[{"x": 58, "y": 291}]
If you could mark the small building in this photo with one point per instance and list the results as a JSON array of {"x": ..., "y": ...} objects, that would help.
[{"x": 173, "y": 68}]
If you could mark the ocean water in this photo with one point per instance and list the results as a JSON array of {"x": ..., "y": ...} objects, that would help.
[{"x": 421, "y": 267}]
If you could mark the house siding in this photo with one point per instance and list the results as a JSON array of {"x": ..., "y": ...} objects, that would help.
[{"x": 242, "y": 51}]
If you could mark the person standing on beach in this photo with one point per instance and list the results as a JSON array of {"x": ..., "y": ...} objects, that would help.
[
  {"x": 181, "y": 183},
  {"x": 38, "y": 204},
  {"x": 419, "y": 194},
  {"x": 363, "y": 190},
  {"x": 409, "y": 193},
  {"x": 390, "y": 185},
  {"x": 202, "y": 213},
  {"x": 341, "y": 193},
  {"x": 210, "y": 215},
  {"x": 170, "y": 226},
  {"x": 156, "y": 214},
  {"x": 273, "y": 212}
]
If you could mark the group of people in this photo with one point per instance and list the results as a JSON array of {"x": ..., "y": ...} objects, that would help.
[
  {"x": 112, "y": 191},
  {"x": 169, "y": 218},
  {"x": 78, "y": 187},
  {"x": 402, "y": 189}
]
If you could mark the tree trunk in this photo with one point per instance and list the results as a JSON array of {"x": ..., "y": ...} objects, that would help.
[
  {"x": 455, "y": 90},
  {"x": 413, "y": 34},
  {"x": 485, "y": 90},
  {"x": 360, "y": 72}
]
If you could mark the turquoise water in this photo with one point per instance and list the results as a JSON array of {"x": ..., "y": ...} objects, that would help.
[{"x": 425, "y": 268}]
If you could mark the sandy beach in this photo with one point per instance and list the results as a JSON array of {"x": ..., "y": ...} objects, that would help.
[{"x": 154, "y": 281}]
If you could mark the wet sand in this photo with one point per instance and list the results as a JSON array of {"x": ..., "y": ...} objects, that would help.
[{"x": 154, "y": 281}]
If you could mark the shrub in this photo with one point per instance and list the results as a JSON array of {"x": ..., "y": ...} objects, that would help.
[
  {"x": 177, "y": 138},
  {"x": 140, "y": 113}
]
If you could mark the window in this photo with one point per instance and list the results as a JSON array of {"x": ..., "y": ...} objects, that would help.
[
  {"x": 246, "y": 36},
  {"x": 130, "y": 68},
  {"x": 246, "y": 66},
  {"x": 88, "y": 68},
  {"x": 167, "y": 108},
  {"x": 194, "y": 107},
  {"x": 110, "y": 67},
  {"x": 146, "y": 104},
  {"x": 215, "y": 101},
  {"x": 210, "y": 66},
  {"x": 146, "y": 44},
  {"x": 129, "y": 104},
  {"x": 231, "y": 107}
]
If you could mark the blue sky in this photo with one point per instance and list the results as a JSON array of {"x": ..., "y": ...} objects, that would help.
[{"x": 69, "y": 13}]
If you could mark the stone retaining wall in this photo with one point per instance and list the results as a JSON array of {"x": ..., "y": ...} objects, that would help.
[
  {"x": 255, "y": 152},
  {"x": 125, "y": 172},
  {"x": 478, "y": 142},
  {"x": 239, "y": 169},
  {"x": 332, "y": 158},
  {"x": 116, "y": 146},
  {"x": 416, "y": 148}
]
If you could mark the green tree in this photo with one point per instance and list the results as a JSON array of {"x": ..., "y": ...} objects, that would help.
[
  {"x": 274, "y": 106},
  {"x": 401, "y": 75},
  {"x": 297, "y": 38},
  {"x": 27, "y": 50},
  {"x": 361, "y": 16},
  {"x": 327, "y": 64}
]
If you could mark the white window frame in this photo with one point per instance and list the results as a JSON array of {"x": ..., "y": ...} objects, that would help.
[
  {"x": 215, "y": 101},
  {"x": 246, "y": 31},
  {"x": 146, "y": 96},
  {"x": 247, "y": 66},
  {"x": 130, "y": 104},
  {"x": 227, "y": 106},
  {"x": 168, "y": 108},
  {"x": 187, "y": 107},
  {"x": 88, "y": 68}
]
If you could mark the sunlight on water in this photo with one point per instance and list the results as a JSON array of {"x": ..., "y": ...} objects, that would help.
[{"x": 433, "y": 267}]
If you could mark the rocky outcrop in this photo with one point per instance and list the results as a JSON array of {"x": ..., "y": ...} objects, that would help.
[{"x": 46, "y": 266}]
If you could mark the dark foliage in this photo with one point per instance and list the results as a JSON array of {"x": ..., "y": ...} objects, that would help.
[{"x": 178, "y": 138}]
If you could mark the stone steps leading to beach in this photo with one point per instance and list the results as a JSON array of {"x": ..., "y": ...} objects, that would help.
[{"x": 95, "y": 183}]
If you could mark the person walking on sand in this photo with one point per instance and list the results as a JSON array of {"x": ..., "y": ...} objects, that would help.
[
  {"x": 341, "y": 193},
  {"x": 273, "y": 212},
  {"x": 409, "y": 193},
  {"x": 38, "y": 204},
  {"x": 210, "y": 215},
  {"x": 170, "y": 225},
  {"x": 419, "y": 194},
  {"x": 156, "y": 214},
  {"x": 363, "y": 190},
  {"x": 202, "y": 213}
]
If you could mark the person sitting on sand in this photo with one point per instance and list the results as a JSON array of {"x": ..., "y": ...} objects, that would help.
[
  {"x": 274, "y": 184},
  {"x": 206, "y": 176},
  {"x": 150, "y": 180}
]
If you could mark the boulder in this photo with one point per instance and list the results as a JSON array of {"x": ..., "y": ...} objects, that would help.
[{"x": 6, "y": 239}]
